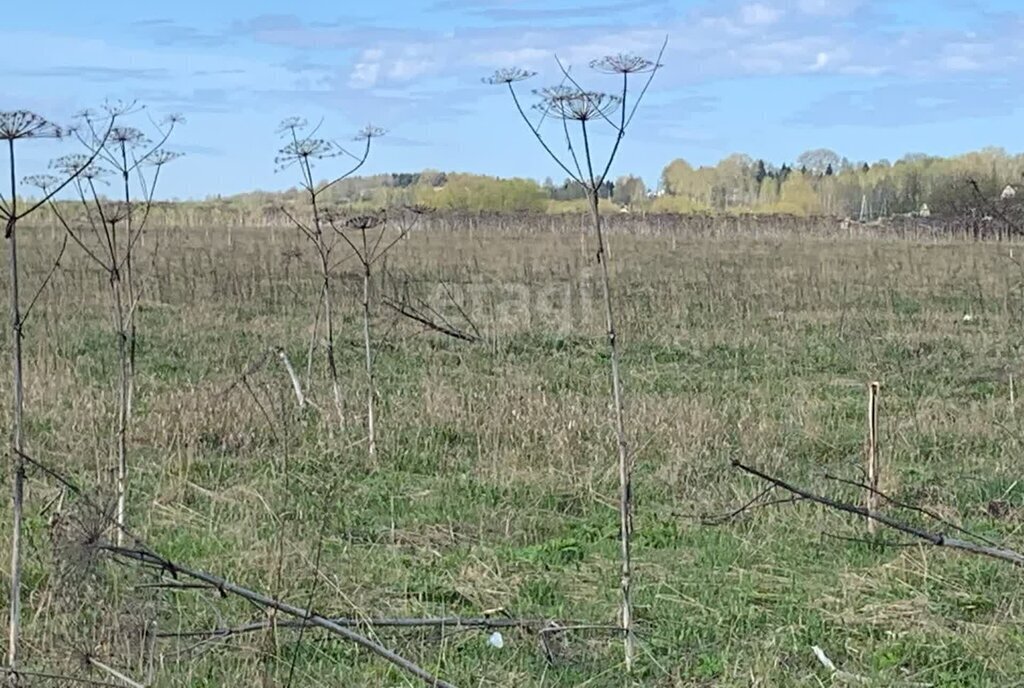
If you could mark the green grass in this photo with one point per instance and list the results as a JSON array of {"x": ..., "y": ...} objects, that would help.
[{"x": 495, "y": 482}]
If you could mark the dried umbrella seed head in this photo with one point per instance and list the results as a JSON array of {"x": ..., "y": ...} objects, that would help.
[
  {"x": 306, "y": 149},
  {"x": 115, "y": 212},
  {"x": 508, "y": 76},
  {"x": 128, "y": 137},
  {"x": 369, "y": 132},
  {"x": 77, "y": 164},
  {"x": 623, "y": 63},
  {"x": 44, "y": 182},
  {"x": 161, "y": 157},
  {"x": 22, "y": 124},
  {"x": 292, "y": 124},
  {"x": 572, "y": 104},
  {"x": 364, "y": 222}
]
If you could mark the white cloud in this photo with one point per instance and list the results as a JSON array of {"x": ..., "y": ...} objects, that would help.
[
  {"x": 758, "y": 14},
  {"x": 364, "y": 75},
  {"x": 829, "y": 8}
]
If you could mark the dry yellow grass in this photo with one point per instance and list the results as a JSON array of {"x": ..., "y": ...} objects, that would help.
[{"x": 495, "y": 480}]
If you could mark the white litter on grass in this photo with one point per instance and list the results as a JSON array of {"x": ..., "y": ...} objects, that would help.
[
  {"x": 968, "y": 317},
  {"x": 823, "y": 658},
  {"x": 836, "y": 672},
  {"x": 496, "y": 641}
]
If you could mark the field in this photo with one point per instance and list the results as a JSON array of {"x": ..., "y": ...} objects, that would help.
[{"x": 494, "y": 485}]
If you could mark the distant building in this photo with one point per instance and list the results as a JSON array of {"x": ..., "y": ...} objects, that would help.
[{"x": 925, "y": 211}]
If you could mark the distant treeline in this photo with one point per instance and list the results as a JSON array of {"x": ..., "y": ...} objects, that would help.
[{"x": 820, "y": 182}]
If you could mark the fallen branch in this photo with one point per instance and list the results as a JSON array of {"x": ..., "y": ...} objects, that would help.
[
  {"x": 407, "y": 311},
  {"x": 911, "y": 507},
  {"x": 936, "y": 539},
  {"x": 754, "y": 503},
  {"x": 145, "y": 555},
  {"x": 125, "y": 681},
  {"x": 148, "y": 558},
  {"x": 57, "y": 677},
  {"x": 452, "y": 622}
]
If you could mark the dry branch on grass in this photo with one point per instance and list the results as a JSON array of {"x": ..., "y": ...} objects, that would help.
[
  {"x": 14, "y": 675},
  {"x": 308, "y": 617},
  {"x": 437, "y": 324},
  {"x": 146, "y": 556},
  {"x": 442, "y": 622},
  {"x": 934, "y": 538}
]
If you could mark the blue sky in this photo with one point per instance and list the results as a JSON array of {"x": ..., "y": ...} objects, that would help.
[{"x": 770, "y": 78}]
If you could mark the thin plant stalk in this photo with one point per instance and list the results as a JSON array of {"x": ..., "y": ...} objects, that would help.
[
  {"x": 17, "y": 434},
  {"x": 371, "y": 434},
  {"x": 625, "y": 472}
]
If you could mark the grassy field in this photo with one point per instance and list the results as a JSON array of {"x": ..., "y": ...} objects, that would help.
[{"x": 495, "y": 481}]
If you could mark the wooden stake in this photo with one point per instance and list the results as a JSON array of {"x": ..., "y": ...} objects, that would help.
[
  {"x": 1013, "y": 399},
  {"x": 872, "y": 454}
]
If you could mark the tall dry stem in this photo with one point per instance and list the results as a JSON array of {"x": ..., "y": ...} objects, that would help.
[{"x": 579, "y": 110}]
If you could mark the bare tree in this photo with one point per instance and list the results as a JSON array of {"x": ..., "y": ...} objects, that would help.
[
  {"x": 108, "y": 232},
  {"x": 16, "y": 127},
  {"x": 304, "y": 149},
  {"x": 581, "y": 112}
]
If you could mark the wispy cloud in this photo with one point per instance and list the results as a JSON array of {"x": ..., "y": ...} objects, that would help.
[
  {"x": 536, "y": 11},
  {"x": 90, "y": 73},
  {"x": 912, "y": 103},
  {"x": 170, "y": 32}
]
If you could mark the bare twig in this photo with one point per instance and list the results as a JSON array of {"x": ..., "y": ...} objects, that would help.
[
  {"x": 936, "y": 539},
  {"x": 407, "y": 311},
  {"x": 124, "y": 680},
  {"x": 312, "y": 618},
  {"x": 912, "y": 507},
  {"x": 58, "y": 677},
  {"x": 46, "y": 280},
  {"x": 450, "y": 622},
  {"x": 144, "y": 555}
]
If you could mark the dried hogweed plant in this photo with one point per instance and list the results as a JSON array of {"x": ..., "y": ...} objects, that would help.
[
  {"x": 19, "y": 127},
  {"x": 583, "y": 117},
  {"x": 109, "y": 232},
  {"x": 304, "y": 150},
  {"x": 369, "y": 237}
]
